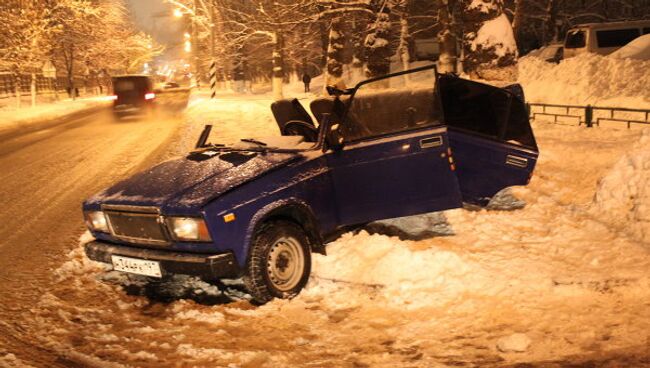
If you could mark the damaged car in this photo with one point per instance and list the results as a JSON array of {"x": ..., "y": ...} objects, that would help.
[{"x": 403, "y": 144}]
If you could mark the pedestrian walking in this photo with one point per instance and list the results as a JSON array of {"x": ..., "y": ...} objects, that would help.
[{"x": 306, "y": 79}]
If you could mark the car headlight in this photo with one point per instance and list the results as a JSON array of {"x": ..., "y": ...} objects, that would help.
[
  {"x": 96, "y": 221},
  {"x": 188, "y": 228}
]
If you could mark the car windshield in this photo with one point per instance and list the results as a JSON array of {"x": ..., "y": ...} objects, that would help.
[
  {"x": 384, "y": 106},
  {"x": 392, "y": 105},
  {"x": 575, "y": 39}
]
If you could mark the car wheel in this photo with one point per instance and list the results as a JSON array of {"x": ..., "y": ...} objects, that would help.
[{"x": 279, "y": 262}]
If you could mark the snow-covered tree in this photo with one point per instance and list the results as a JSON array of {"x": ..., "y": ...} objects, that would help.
[
  {"x": 25, "y": 33},
  {"x": 98, "y": 36},
  {"x": 378, "y": 40},
  {"x": 488, "y": 41}
]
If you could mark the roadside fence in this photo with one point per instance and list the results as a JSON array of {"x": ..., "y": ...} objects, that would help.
[
  {"x": 588, "y": 115},
  {"x": 44, "y": 86}
]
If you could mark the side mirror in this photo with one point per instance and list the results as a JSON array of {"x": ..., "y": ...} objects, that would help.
[{"x": 334, "y": 137}]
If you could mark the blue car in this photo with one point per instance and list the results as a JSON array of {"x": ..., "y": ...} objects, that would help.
[{"x": 407, "y": 143}]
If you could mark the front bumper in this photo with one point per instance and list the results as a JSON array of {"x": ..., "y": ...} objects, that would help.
[{"x": 209, "y": 267}]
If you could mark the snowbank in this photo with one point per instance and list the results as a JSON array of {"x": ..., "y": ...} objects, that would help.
[
  {"x": 587, "y": 79},
  {"x": 638, "y": 49},
  {"x": 12, "y": 118},
  {"x": 623, "y": 196},
  {"x": 406, "y": 276}
]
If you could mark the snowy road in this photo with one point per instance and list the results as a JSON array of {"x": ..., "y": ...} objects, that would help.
[
  {"x": 555, "y": 284},
  {"x": 44, "y": 177}
]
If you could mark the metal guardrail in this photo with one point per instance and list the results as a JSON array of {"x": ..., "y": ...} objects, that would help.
[{"x": 589, "y": 115}]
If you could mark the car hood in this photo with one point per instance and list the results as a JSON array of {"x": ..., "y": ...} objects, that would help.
[{"x": 188, "y": 183}]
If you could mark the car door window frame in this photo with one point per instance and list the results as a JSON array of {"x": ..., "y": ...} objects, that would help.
[{"x": 435, "y": 120}]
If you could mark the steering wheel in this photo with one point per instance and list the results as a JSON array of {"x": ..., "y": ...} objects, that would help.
[{"x": 297, "y": 127}]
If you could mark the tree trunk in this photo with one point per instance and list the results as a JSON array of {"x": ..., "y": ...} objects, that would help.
[
  {"x": 33, "y": 90},
  {"x": 278, "y": 70},
  {"x": 518, "y": 21},
  {"x": 377, "y": 44},
  {"x": 551, "y": 28},
  {"x": 335, "y": 50},
  {"x": 404, "y": 38},
  {"x": 18, "y": 91},
  {"x": 448, "y": 50},
  {"x": 356, "y": 42}
]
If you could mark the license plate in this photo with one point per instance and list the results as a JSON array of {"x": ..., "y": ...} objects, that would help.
[{"x": 137, "y": 266}]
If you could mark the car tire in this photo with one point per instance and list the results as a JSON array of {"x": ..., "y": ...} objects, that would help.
[{"x": 279, "y": 263}]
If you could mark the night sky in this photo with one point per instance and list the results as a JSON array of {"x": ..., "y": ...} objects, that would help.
[{"x": 154, "y": 17}]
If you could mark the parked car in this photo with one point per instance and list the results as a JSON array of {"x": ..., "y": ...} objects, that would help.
[
  {"x": 133, "y": 94},
  {"x": 257, "y": 208},
  {"x": 603, "y": 38}
]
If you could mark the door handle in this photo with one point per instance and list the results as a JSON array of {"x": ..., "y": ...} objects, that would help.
[
  {"x": 435, "y": 141},
  {"x": 516, "y": 161}
]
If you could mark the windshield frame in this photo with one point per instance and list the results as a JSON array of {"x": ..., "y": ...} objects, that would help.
[
  {"x": 572, "y": 33},
  {"x": 325, "y": 124}
]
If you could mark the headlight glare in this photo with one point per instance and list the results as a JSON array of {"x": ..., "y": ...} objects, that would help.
[
  {"x": 189, "y": 229},
  {"x": 96, "y": 221}
]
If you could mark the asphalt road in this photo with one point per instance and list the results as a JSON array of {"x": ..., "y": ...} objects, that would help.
[{"x": 44, "y": 177}]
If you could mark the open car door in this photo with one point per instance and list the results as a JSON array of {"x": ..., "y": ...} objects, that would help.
[
  {"x": 395, "y": 158},
  {"x": 490, "y": 136}
]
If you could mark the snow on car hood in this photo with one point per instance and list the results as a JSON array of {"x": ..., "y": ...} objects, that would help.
[{"x": 191, "y": 181}]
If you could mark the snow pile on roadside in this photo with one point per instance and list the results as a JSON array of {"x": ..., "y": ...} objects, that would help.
[
  {"x": 587, "y": 79},
  {"x": 637, "y": 49},
  {"x": 13, "y": 118},
  {"x": 623, "y": 195},
  {"x": 405, "y": 276}
]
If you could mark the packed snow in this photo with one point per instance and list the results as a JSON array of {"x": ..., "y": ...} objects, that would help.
[
  {"x": 547, "y": 274},
  {"x": 637, "y": 49}
]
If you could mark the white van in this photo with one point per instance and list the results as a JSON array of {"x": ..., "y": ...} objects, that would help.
[{"x": 602, "y": 38}]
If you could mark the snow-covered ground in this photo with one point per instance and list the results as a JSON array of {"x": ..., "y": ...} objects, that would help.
[
  {"x": 12, "y": 118},
  {"x": 562, "y": 279}
]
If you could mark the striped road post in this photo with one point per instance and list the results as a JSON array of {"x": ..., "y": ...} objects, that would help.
[{"x": 213, "y": 78}]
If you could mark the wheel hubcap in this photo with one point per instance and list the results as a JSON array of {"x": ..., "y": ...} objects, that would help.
[{"x": 285, "y": 263}]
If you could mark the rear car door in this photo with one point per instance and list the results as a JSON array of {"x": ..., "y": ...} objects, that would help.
[
  {"x": 395, "y": 158},
  {"x": 490, "y": 137}
]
